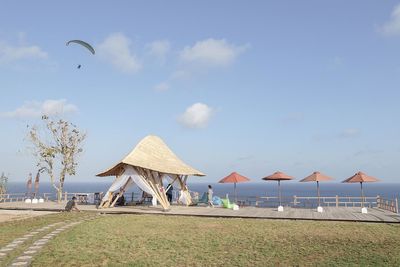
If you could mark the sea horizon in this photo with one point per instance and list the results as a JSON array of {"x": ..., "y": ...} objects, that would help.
[{"x": 258, "y": 188}]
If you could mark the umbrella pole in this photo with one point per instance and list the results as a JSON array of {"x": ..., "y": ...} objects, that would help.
[
  {"x": 234, "y": 191},
  {"x": 280, "y": 193},
  {"x": 362, "y": 196},
  {"x": 318, "y": 194}
]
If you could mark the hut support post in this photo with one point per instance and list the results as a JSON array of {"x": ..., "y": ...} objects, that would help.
[
  {"x": 153, "y": 185},
  {"x": 159, "y": 189},
  {"x": 158, "y": 176},
  {"x": 156, "y": 182},
  {"x": 120, "y": 193},
  {"x": 106, "y": 203}
]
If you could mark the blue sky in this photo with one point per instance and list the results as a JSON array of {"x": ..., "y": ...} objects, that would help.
[{"x": 252, "y": 87}]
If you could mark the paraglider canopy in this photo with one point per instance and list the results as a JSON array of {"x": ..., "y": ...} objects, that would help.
[{"x": 84, "y": 44}]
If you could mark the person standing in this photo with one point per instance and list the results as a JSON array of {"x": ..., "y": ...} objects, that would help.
[
  {"x": 210, "y": 196},
  {"x": 169, "y": 192}
]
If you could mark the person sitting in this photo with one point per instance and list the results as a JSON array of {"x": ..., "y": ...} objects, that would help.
[
  {"x": 72, "y": 205},
  {"x": 120, "y": 201}
]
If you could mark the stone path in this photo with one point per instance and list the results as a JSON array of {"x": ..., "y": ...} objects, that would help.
[{"x": 39, "y": 239}]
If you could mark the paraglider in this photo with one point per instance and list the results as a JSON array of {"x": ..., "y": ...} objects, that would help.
[{"x": 84, "y": 44}]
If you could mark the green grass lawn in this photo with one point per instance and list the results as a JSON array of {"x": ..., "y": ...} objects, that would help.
[
  {"x": 15, "y": 229},
  {"x": 150, "y": 240}
]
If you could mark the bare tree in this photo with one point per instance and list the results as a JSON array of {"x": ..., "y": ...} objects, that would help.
[{"x": 56, "y": 149}]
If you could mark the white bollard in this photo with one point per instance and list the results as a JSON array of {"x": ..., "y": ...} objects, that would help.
[
  {"x": 320, "y": 209},
  {"x": 35, "y": 201},
  {"x": 235, "y": 207},
  {"x": 28, "y": 200},
  {"x": 41, "y": 200},
  {"x": 280, "y": 208},
  {"x": 364, "y": 210}
]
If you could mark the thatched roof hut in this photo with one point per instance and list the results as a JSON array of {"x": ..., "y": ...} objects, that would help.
[{"x": 148, "y": 163}]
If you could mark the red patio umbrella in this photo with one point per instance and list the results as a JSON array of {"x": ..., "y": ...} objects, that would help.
[
  {"x": 317, "y": 177},
  {"x": 278, "y": 176},
  {"x": 234, "y": 178},
  {"x": 361, "y": 178}
]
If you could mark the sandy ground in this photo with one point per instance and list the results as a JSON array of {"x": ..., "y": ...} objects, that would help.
[{"x": 10, "y": 215}]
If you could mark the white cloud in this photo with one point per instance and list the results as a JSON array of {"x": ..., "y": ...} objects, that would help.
[
  {"x": 159, "y": 49},
  {"x": 11, "y": 53},
  {"x": 161, "y": 87},
  {"x": 392, "y": 27},
  {"x": 196, "y": 116},
  {"x": 212, "y": 52},
  {"x": 349, "y": 133},
  {"x": 35, "y": 109},
  {"x": 116, "y": 49}
]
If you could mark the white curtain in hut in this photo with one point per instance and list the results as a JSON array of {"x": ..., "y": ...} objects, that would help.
[
  {"x": 119, "y": 182},
  {"x": 138, "y": 179},
  {"x": 129, "y": 176},
  {"x": 183, "y": 197}
]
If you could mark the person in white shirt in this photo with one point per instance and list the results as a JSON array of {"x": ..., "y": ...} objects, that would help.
[{"x": 210, "y": 196}]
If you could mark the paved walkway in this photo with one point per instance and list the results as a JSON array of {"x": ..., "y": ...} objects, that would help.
[
  {"x": 12, "y": 215},
  {"x": 330, "y": 213},
  {"x": 36, "y": 239}
]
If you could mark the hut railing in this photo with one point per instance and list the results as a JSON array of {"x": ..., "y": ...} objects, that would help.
[
  {"x": 82, "y": 197},
  {"x": 19, "y": 197},
  {"x": 308, "y": 201},
  {"x": 388, "y": 204},
  {"x": 12, "y": 197},
  {"x": 255, "y": 201},
  {"x": 337, "y": 201}
]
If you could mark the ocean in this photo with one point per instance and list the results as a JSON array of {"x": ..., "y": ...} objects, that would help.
[{"x": 244, "y": 190}]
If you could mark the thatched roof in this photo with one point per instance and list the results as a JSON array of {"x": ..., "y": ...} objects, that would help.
[{"x": 153, "y": 154}]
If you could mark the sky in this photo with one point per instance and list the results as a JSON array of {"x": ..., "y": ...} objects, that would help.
[{"x": 252, "y": 87}]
